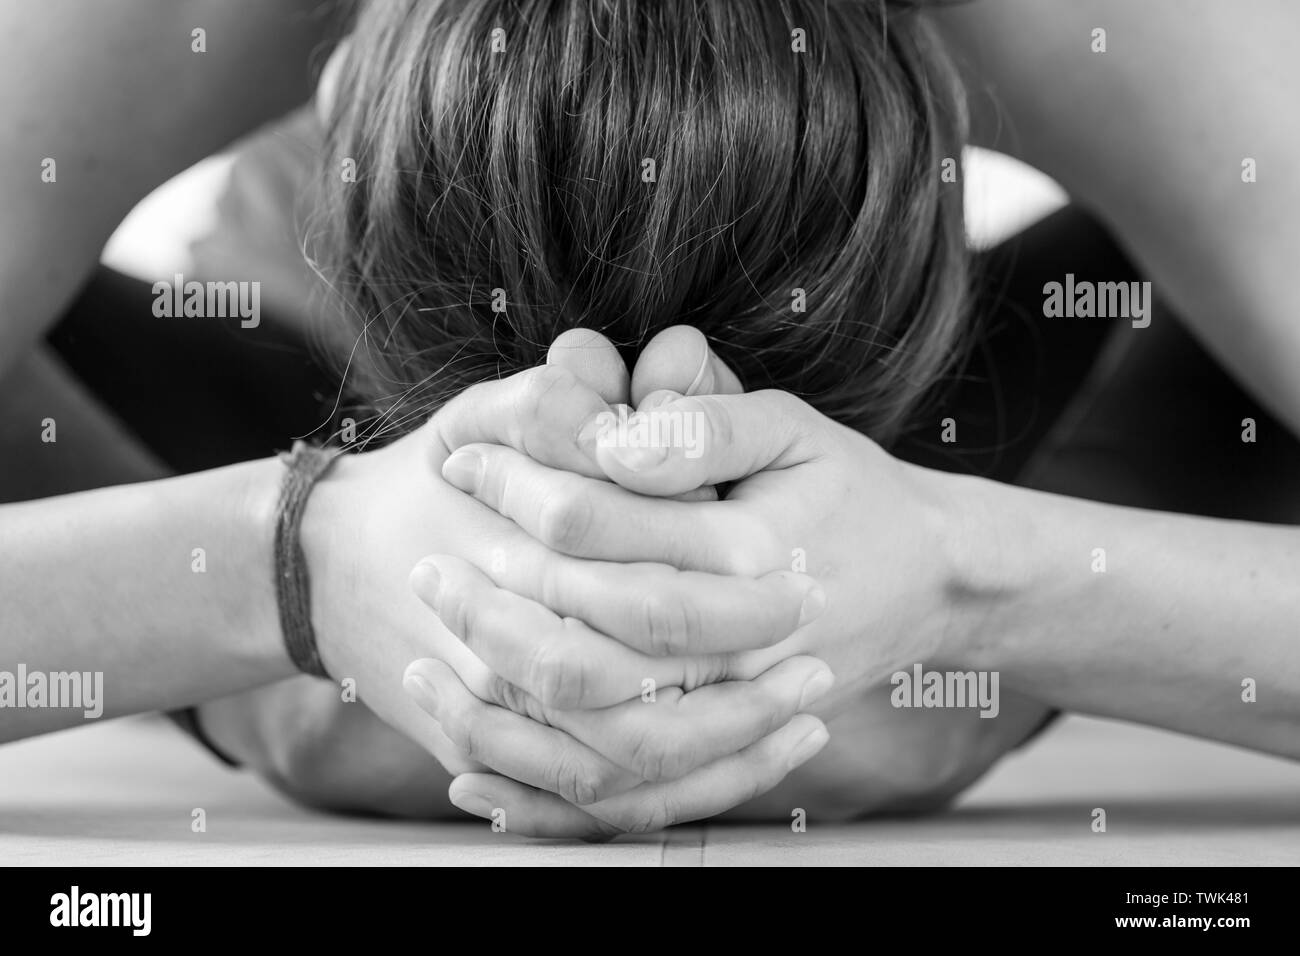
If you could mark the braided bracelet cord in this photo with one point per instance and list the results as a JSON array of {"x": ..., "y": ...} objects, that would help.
[{"x": 304, "y": 465}]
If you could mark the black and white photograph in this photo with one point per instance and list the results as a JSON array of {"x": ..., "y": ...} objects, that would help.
[{"x": 642, "y": 433}]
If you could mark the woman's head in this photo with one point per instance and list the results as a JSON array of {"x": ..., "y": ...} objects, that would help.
[{"x": 768, "y": 171}]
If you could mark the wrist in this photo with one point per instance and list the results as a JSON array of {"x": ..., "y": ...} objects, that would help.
[
  {"x": 330, "y": 538},
  {"x": 250, "y": 526},
  {"x": 987, "y": 561}
]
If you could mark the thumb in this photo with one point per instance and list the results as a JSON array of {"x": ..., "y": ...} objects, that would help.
[
  {"x": 680, "y": 360},
  {"x": 707, "y": 440},
  {"x": 594, "y": 360}
]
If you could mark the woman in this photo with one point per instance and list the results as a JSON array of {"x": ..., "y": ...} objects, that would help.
[{"x": 883, "y": 270}]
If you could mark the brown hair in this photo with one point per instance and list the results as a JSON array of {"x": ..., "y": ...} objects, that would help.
[{"x": 507, "y": 145}]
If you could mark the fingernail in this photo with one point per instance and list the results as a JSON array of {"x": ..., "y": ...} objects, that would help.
[
  {"x": 640, "y": 459},
  {"x": 703, "y": 382},
  {"x": 814, "y": 603},
  {"x": 658, "y": 399},
  {"x": 422, "y": 691},
  {"x": 427, "y": 583},
  {"x": 816, "y": 687},
  {"x": 471, "y": 801},
  {"x": 807, "y": 748},
  {"x": 464, "y": 470}
]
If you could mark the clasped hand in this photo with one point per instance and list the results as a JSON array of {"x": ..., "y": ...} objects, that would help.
[{"x": 626, "y": 650}]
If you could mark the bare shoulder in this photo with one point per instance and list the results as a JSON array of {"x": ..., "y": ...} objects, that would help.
[
  {"x": 1174, "y": 121},
  {"x": 1051, "y": 78}
]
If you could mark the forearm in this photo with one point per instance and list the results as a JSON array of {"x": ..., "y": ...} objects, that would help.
[
  {"x": 1133, "y": 614},
  {"x": 164, "y": 588}
]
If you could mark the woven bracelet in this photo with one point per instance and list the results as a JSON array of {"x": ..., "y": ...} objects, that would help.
[{"x": 304, "y": 464}]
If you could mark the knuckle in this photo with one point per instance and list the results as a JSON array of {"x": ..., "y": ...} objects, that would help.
[
  {"x": 607, "y": 780},
  {"x": 457, "y": 614},
  {"x": 534, "y": 387},
  {"x": 798, "y": 421},
  {"x": 543, "y": 383},
  {"x": 753, "y": 552},
  {"x": 671, "y": 624},
  {"x": 564, "y": 520},
  {"x": 736, "y": 560},
  {"x": 650, "y": 757},
  {"x": 500, "y": 486},
  {"x": 463, "y": 729},
  {"x": 503, "y": 693},
  {"x": 570, "y": 777},
  {"x": 514, "y": 698},
  {"x": 750, "y": 546},
  {"x": 553, "y": 679},
  {"x": 785, "y": 402},
  {"x": 552, "y": 578},
  {"x": 651, "y": 816},
  {"x": 717, "y": 423},
  {"x": 788, "y": 411},
  {"x": 544, "y": 379},
  {"x": 706, "y": 669}
]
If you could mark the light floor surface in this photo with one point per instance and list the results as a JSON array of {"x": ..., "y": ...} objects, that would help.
[{"x": 123, "y": 793}]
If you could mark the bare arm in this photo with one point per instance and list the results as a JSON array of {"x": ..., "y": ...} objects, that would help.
[
  {"x": 115, "y": 94},
  {"x": 1151, "y": 135},
  {"x": 1180, "y": 622},
  {"x": 162, "y": 587}
]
